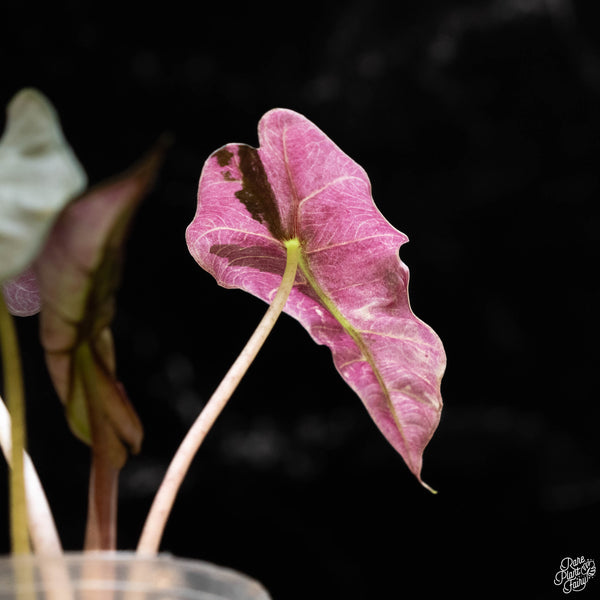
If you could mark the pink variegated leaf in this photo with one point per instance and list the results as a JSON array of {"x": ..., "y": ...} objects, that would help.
[
  {"x": 351, "y": 291},
  {"x": 22, "y": 294}
]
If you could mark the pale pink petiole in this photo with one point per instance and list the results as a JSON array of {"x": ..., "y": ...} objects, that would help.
[
  {"x": 165, "y": 497},
  {"x": 41, "y": 524}
]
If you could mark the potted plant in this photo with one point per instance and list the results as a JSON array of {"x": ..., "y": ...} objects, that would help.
[{"x": 292, "y": 222}]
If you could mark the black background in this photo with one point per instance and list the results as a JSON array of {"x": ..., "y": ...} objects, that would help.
[{"x": 478, "y": 123}]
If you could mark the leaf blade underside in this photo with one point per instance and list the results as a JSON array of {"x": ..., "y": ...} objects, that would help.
[{"x": 351, "y": 292}]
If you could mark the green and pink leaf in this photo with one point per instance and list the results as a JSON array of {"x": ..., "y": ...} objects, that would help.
[{"x": 79, "y": 272}]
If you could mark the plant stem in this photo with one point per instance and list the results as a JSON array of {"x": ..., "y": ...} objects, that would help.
[
  {"x": 101, "y": 523},
  {"x": 13, "y": 381},
  {"x": 42, "y": 529},
  {"x": 165, "y": 497},
  {"x": 101, "y": 526}
]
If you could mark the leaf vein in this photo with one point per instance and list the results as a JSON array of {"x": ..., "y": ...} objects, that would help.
[
  {"x": 329, "y": 184},
  {"x": 349, "y": 242},
  {"x": 268, "y": 238}
]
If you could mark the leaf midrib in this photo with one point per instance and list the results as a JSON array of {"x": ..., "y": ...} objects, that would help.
[
  {"x": 358, "y": 340},
  {"x": 331, "y": 306}
]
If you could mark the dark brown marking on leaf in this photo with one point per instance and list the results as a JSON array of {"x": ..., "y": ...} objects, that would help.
[
  {"x": 223, "y": 157},
  {"x": 256, "y": 193},
  {"x": 227, "y": 176}
]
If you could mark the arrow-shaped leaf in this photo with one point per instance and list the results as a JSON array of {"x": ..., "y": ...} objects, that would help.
[
  {"x": 39, "y": 174},
  {"x": 78, "y": 272},
  {"x": 351, "y": 292}
]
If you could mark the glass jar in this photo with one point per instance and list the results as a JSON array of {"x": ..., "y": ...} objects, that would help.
[{"x": 121, "y": 576}]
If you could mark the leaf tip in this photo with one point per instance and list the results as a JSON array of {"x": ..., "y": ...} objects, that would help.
[
  {"x": 428, "y": 487},
  {"x": 31, "y": 99}
]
